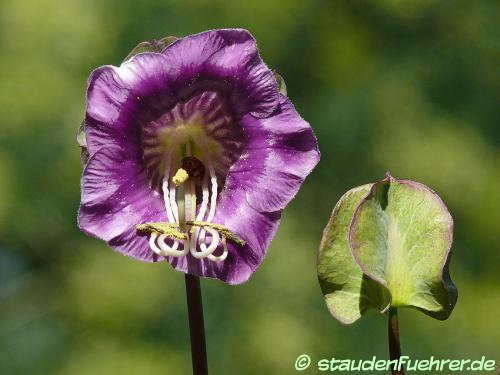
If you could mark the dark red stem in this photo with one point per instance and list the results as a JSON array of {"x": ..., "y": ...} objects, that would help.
[
  {"x": 196, "y": 325},
  {"x": 394, "y": 343}
]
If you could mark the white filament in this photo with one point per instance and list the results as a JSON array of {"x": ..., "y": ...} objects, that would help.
[
  {"x": 201, "y": 214},
  {"x": 173, "y": 202},
  {"x": 213, "y": 199},
  {"x": 164, "y": 249},
  {"x": 223, "y": 256},
  {"x": 172, "y": 251},
  {"x": 172, "y": 216},
  {"x": 206, "y": 251},
  {"x": 152, "y": 244},
  {"x": 166, "y": 198},
  {"x": 204, "y": 202}
]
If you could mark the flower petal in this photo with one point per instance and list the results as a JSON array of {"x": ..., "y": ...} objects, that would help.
[
  {"x": 281, "y": 151},
  {"x": 116, "y": 197},
  {"x": 231, "y": 56},
  {"x": 120, "y": 100}
]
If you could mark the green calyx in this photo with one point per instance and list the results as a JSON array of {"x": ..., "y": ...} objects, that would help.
[
  {"x": 151, "y": 46},
  {"x": 280, "y": 82}
]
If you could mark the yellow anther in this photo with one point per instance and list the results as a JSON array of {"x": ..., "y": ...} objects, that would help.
[
  {"x": 171, "y": 230},
  {"x": 180, "y": 177},
  {"x": 223, "y": 231}
]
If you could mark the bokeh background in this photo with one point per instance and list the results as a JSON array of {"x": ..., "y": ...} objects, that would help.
[{"x": 411, "y": 87}]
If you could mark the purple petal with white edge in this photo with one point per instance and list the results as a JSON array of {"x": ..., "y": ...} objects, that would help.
[
  {"x": 121, "y": 100},
  {"x": 116, "y": 197},
  {"x": 282, "y": 150},
  {"x": 209, "y": 59}
]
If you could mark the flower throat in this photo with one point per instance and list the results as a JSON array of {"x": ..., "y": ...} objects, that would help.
[{"x": 190, "y": 228}]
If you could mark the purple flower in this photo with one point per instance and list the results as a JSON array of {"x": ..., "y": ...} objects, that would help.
[{"x": 191, "y": 155}]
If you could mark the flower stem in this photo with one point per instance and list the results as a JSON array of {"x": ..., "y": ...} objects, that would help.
[
  {"x": 196, "y": 325},
  {"x": 394, "y": 343}
]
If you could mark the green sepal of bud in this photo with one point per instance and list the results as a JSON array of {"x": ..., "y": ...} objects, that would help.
[
  {"x": 281, "y": 82},
  {"x": 171, "y": 230},
  {"x": 152, "y": 46},
  {"x": 224, "y": 231}
]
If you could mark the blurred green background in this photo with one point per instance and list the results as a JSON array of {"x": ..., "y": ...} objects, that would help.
[{"x": 411, "y": 87}]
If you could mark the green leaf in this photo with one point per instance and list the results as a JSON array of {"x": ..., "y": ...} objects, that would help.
[
  {"x": 348, "y": 292},
  {"x": 401, "y": 236},
  {"x": 152, "y": 46}
]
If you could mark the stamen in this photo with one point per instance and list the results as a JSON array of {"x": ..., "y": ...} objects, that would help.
[
  {"x": 224, "y": 231},
  {"x": 168, "y": 197},
  {"x": 167, "y": 250},
  {"x": 215, "y": 238},
  {"x": 152, "y": 244},
  {"x": 204, "y": 202},
  {"x": 165, "y": 188},
  {"x": 173, "y": 202},
  {"x": 171, "y": 230},
  {"x": 223, "y": 256},
  {"x": 164, "y": 249},
  {"x": 172, "y": 251},
  {"x": 213, "y": 201},
  {"x": 201, "y": 215},
  {"x": 206, "y": 251},
  {"x": 211, "y": 214}
]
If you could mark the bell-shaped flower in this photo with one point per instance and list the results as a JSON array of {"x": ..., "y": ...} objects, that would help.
[{"x": 191, "y": 154}]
